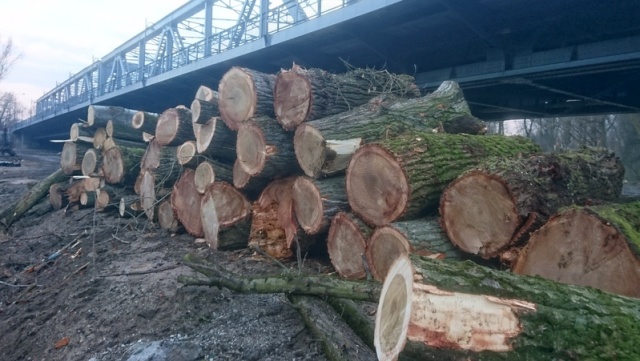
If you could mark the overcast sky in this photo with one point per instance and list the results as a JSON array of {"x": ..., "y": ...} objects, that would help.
[{"x": 59, "y": 38}]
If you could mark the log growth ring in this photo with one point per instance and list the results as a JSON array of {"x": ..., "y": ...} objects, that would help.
[
  {"x": 346, "y": 245},
  {"x": 251, "y": 149},
  {"x": 309, "y": 146},
  {"x": 307, "y": 204},
  {"x": 385, "y": 245},
  {"x": 237, "y": 97},
  {"x": 292, "y": 99}
]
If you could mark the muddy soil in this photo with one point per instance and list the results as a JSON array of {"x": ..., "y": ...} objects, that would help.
[{"x": 113, "y": 295}]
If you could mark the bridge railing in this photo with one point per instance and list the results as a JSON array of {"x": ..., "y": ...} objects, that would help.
[{"x": 279, "y": 18}]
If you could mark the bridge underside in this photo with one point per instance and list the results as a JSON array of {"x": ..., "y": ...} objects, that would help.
[{"x": 513, "y": 58}]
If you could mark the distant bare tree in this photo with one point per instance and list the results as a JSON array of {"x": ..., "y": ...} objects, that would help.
[
  {"x": 10, "y": 110},
  {"x": 7, "y": 56}
]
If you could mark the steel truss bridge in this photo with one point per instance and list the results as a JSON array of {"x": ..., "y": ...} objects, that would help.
[{"x": 513, "y": 58}]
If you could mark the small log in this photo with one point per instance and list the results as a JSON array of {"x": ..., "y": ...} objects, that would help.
[
  {"x": 319, "y": 157},
  {"x": 225, "y": 215},
  {"x": 88, "y": 199},
  {"x": 207, "y": 94},
  {"x": 208, "y": 172},
  {"x": 347, "y": 245},
  {"x": 167, "y": 218},
  {"x": 121, "y": 165},
  {"x": 339, "y": 342},
  {"x": 74, "y": 192},
  {"x": 202, "y": 111},
  {"x": 71, "y": 157},
  {"x": 404, "y": 176},
  {"x": 129, "y": 206},
  {"x": 315, "y": 202},
  {"x": 80, "y": 132},
  {"x": 186, "y": 201},
  {"x": 186, "y": 155},
  {"x": 100, "y": 115},
  {"x": 503, "y": 200},
  {"x": 243, "y": 94},
  {"x": 304, "y": 94},
  {"x": 145, "y": 122},
  {"x": 91, "y": 162},
  {"x": 215, "y": 140},
  {"x": 32, "y": 197},
  {"x": 242, "y": 179},
  {"x": 148, "y": 193},
  {"x": 99, "y": 137},
  {"x": 57, "y": 195},
  {"x": 91, "y": 184},
  {"x": 436, "y": 310},
  {"x": 420, "y": 236},
  {"x": 161, "y": 161},
  {"x": 265, "y": 150},
  {"x": 174, "y": 127},
  {"x": 596, "y": 246}
]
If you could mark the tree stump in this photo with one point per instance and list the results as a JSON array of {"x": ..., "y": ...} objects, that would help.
[{"x": 243, "y": 94}]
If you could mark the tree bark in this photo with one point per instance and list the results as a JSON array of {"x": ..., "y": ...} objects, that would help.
[
  {"x": 186, "y": 201},
  {"x": 207, "y": 94},
  {"x": 242, "y": 180},
  {"x": 339, "y": 342},
  {"x": 35, "y": 194},
  {"x": 124, "y": 131},
  {"x": 315, "y": 202},
  {"x": 202, "y": 111},
  {"x": 438, "y": 310},
  {"x": 595, "y": 246},
  {"x": 305, "y": 94},
  {"x": 346, "y": 245},
  {"x": 215, "y": 140},
  {"x": 121, "y": 165},
  {"x": 504, "y": 200},
  {"x": 265, "y": 150},
  {"x": 420, "y": 236},
  {"x": 359, "y": 315},
  {"x": 404, "y": 176},
  {"x": 243, "y": 94},
  {"x": 100, "y": 115},
  {"x": 319, "y": 157},
  {"x": 71, "y": 157},
  {"x": 209, "y": 172},
  {"x": 223, "y": 207},
  {"x": 174, "y": 127},
  {"x": 145, "y": 122}
]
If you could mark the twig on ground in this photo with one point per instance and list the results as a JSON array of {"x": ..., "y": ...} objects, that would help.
[
  {"x": 138, "y": 273},
  {"x": 17, "y": 286}
]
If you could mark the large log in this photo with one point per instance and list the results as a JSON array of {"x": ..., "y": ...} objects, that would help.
[
  {"x": 404, "y": 176},
  {"x": 33, "y": 196},
  {"x": 100, "y": 115},
  {"x": 215, "y": 140},
  {"x": 315, "y": 202},
  {"x": 243, "y": 94},
  {"x": 505, "y": 199},
  {"x": 305, "y": 94},
  {"x": 420, "y": 236},
  {"x": 596, "y": 246},
  {"x": 346, "y": 244},
  {"x": 174, "y": 127},
  {"x": 438, "y": 310},
  {"x": 225, "y": 214},
  {"x": 186, "y": 201},
  {"x": 265, "y": 150},
  {"x": 121, "y": 165}
]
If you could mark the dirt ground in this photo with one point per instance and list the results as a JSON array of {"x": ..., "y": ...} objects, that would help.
[{"x": 113, "y": 294}]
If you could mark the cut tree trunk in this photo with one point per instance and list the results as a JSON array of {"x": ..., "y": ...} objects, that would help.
[
  {"x": 202, "y": 111},
  {"x": 225, "y": 214},
  {"x": 265, "y": 150},
  {"x": 315, "y": 202},
  {"x": 208, "y": 172},
  {"x": 163, "y": 162},
  {"x": 91, "y": 184},
  {"x": 242, "y": 180},
  {"x": 174, "y": 127},
  {"x": 506, "y": 199},
  {"x": 124, "y": 131},
  {"x": 305, "y": 94},
  {"x": 57, "y": 195},
  {"x": 146, "y": 122},
  {"x": 80, "y": 132},
  {"x": 243, "y": 94},
  {"x": 339, "y": 342},
  {"x": 91, "y": 162},
  {"x": 100, "y": 115},
  {"x": 148, "y": 193},
  {"x": 324, "y": 146},
  {"x": 440, "y": 310},
  {"x": 346, "y": 244},
  {"x": 215, "y": 140},
  {"x": 404, "y": 176},
  {"x": 207, "y": 94},
  {"x": 186, "y": 201},
  {"x": 71, "y": 157},
  {"x": 420, "y": 236},
  {"x": 121, "y": 165},
  {"x": 595, "y": 246},
  {"x": 167, "y": 218},
  {"x": 33, "y": 196},
  {"x": 186, "y": 155},
  {"x": 99, "y": 137}
]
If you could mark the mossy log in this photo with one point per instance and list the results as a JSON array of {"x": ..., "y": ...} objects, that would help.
[
  {"x": 438, "y": 310},
  {"x": 301, "y": 94},
  {"x": 498, "y": 204},
  {"x": 215, "y": 140},
  {"x": 421, "y": 236},
  {"x": 359, "y": 315},
  {"x": 32, "y": 197},
  {"x": 403, "y": 177},
  {"x": 346, "y": 244},
  {"x": 121, "y": 165},
  {"x": 202, "y": 111},
  {"x": 596, "y": 246},
  {"x": 71, "y": 157},
  {"x": 145, "y": 122},
  {"x": 315, "y": 202},
  {"x": 100, "y": 115},
  {"x": 225, "y": 214},
  {"x": 186, "y": 201},
  {"x": 243, "y": 94},
  {"x": 339, "y": 342},
  {"x": 265, "y": 150},
  {"x": 174, "y": 127}
]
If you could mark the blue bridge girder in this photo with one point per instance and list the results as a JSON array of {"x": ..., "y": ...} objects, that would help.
[{"x": 513, "y": 58}]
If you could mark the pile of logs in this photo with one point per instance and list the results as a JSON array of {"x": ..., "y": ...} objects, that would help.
[{"x": 358, "y": 164}]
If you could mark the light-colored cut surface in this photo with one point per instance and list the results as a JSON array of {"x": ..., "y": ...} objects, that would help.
[
  {"x": 251, "y": 149},
  {"x": 309, "y": 146},
  {"x": 292, "y": 99},
  {"x": 237, "y": 97},
  {"x": 384, "y": 247},
  {"x": 346, "y": 247}
]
